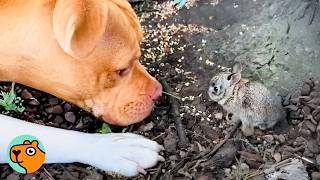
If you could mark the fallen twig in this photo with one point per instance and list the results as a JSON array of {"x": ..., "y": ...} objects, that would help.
[
  {"x": 176, "y": 116},
  {"x": 305, "y": 159},
  {"x": 48, "y": 174},
  {"x": 230, "y": 134},
  {"x": 156, "y": 175},
  {"x": 172, "y": 95},
  {"x": 206, "y": 155}
]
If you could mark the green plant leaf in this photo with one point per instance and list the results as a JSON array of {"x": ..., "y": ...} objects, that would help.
[
  {"x": 105, "y": 129},
  {"x": 10, "y": 101}
]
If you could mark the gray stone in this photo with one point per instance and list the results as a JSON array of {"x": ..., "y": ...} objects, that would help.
[
  {"x": 313, "y": 146},
  {"x": 311, "y": 126},
  {"x": 269, "y": 138},
  {"x": 315, "y": 175}
]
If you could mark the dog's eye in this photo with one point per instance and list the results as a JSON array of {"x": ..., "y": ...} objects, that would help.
[
  {"x": 213, "y": 84},
  {"x": 30, "y": 151},
  {"x": 123, "y": 72}
]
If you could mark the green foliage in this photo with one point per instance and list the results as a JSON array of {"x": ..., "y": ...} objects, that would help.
[
  {"x": 10, "y": 101},
  {"x": 105, "y": 128}
]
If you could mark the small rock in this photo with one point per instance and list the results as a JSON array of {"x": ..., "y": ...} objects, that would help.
[
  {"x": 203, "y": 178},
  {"x": 305, "y": 98},
  {"x": 313, "y": 146},
  {"x": 58, "y": 119},
  {"x": 294, "y": 169},
  {"x": 316, "y": 114},
  {"x": 291, "y": 107},
  {"x": 315, "y": 101},
  {"x": 146, "y": 127},
  {"x": 306, "y": 111},
  {"x": 244, "y": 168},
  {"x": 308, "y": 153},
  {"x": 305, "y": 132},
  {"x": 94, "y": 175},
  {"x": 54, "y": 109},
  {"x": 250, "y": 156},
  {"x": 29, "y": 177},
  {"x": 314, "y": 94},
  {"x": 295, "y": 122},
  {"x": 36, "y": 94},
  {"x": 277, "y": 157},
  {"x": 286, "y": 154},
  {"x": 310, "y": 126},
  {"x": 317, "y": 88},
  {"x": 299, "y": 141},
  {"x": 173, "y": 158},
  {"x": 218, "y": 116},
  {"x": 227, "y": 171},
  {"x": 53, "y": 101},
  {"x": 315, "y": 175},
  {"x": 295, "y": 100},
  {"x": 269, "y": 138},
  {"x": 13, "y": 176},
  {"x": 286, "y": 101},
  {"x": 318, "y": 159},
  {"x": 170, "y": 143},
  {"x": 305, "y": 91},
  {"x": 67, "y": 107},
  {"x": 293, "y": 114},
  {"x": 34, "y": 102},
  {"x": 281, "y": 138},
  {"x": 70, "y": 117},
  {"x": 318, "y": 129},
  {"x": 80, "y": 125},
  {"x": 209, "y": 132},
  {"x": 25, "y": 94}
]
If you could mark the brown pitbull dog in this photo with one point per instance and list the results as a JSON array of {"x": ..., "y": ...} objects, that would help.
[{"x": 87, "y": 53}]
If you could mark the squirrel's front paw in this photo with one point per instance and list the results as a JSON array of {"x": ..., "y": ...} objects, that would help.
[{"x": 124, "y": 153}]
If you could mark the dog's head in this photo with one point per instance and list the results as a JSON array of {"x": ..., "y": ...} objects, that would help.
[{"x": 103, "y": 39}]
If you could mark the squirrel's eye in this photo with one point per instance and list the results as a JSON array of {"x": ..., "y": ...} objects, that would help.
[
  {"x": 30, "y": 151},
  {"x": 229, "y": 77}
]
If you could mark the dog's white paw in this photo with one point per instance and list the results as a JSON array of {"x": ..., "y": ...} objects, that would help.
[{"x": 124, "y": 153}]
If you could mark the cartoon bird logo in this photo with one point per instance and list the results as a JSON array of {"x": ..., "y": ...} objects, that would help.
[{"x": 27, "y": 155}]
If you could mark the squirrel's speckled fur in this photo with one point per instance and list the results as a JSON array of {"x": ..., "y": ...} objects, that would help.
[{"x": 250, "y": 102}]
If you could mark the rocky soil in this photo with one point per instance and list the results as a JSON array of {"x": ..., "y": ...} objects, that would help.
[{"x": 185, "y": 48}]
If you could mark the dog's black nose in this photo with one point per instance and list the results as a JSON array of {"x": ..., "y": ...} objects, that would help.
[
  {"x": 16, "y": 152},
  {"x": 215, "y": 89}
]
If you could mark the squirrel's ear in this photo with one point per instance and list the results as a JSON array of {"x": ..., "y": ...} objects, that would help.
[
  {"x": 26, "y": 142},
  {"x": 34, "y": 143},
  {"x": 237, "y": 68},
  {"x": 235, "y": 78},
  {"x": 78, "y": 25}
]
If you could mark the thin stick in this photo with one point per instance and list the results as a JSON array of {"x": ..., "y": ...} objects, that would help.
[
  {"x": 169, "y": 94},
  {"x": 230, "y": 134},
  {"x": 48, "y": 174},
  {"x": 176, "y": 116}
]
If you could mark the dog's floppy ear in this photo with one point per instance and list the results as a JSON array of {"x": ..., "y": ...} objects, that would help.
[{"x": 78, "y": 25}]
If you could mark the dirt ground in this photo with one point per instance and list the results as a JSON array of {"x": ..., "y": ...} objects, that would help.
[{"x": 185, "y": 48}]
